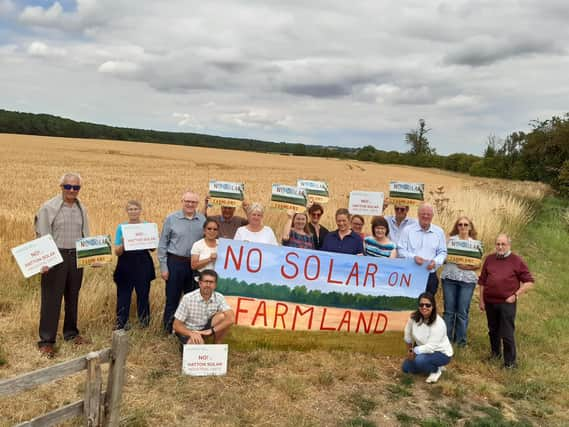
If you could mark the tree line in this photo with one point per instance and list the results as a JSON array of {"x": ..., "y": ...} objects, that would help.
[
  {"x": 540, "y": 155},
  {"x": 301, "y": 295}
]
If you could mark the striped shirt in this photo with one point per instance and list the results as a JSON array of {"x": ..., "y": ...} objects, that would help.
[
  {"x": 196, "y": 312},
  {"x": 373, "y": 248},
  {"x": 297, "y": 240}
]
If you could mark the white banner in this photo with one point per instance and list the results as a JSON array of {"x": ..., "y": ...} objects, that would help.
[
  {"x": 366, "y": 203},
  {"x": 140, "y": 236},
  {"x": 204, "y": 360},
  {"x": 34, "y": 255}
]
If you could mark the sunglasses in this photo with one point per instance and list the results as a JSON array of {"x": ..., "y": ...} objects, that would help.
[
  {"x": 400, "y": 209},
  {"x": 211, "y": 228},
  {"x": 71, "y": 187},
  {"x": 463, "y": 224},
  {"x": 316, "y": 214},
  {"x": 425, "y": 304}
]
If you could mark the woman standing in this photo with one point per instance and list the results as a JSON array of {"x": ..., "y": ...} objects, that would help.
[
  {"x": 135, "y": 270},
  {"x": 296, "y": 233},
  {"x": 459, "y": 281},
  {"x": 378, "y": 244},
  {"x": 428, "y": 347},
  {"x": 357, "y": 222},
  {"x": 255, "y": 231},
  {"x": 343, "y": 240},
  {"x": 317, "y": 230},
  {"x": 204, "y": 251}
]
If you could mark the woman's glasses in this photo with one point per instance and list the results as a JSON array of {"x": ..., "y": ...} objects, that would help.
[
  {"x": 425, "y": 305},
  {"x": 211, "y": 228},
  {"x": 463, "y": 224}
]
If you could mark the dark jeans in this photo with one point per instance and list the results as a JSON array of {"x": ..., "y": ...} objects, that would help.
[
  {"x": 61, "y": 281},
  {"x": 501, "y": 327},
  {"x": 432, "y": 284},
  {"x": 124, "y": 295},
  {"x": 425, "y": 363},
  {"x": 180, "y": 281},
  {"x": 458, "y": 296}
]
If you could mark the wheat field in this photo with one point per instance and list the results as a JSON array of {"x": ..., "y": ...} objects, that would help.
[{"x": 114, "y": 172}]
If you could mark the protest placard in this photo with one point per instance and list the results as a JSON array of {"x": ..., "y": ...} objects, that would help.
[
  {"x": 204, "y": 360},
  {"x": 406, "y": 193},
  {"x": 287, "y": 197},
  {"x": 316, "y": 191},
  {"x": 366, "y": 203},
  {"x": 299, "y": 289},
  {"x": 32, "y": 256},
  {"x": 222, "y": 193},
  {"x": 468, "y": 252},
  {"x": 93, "y": 250},
  {"x": 140, "y": 236}
]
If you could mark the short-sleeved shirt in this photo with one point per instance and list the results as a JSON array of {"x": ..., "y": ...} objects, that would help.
[
  {"x": 203, "y": 251},
  {"x": 195, "y": 312},
  {"x": 266, "y": 235},
  {"x": 373, "y": 248},
  {"x": 228, "y": 228},
  {"x": 297, "y": 240},
  {"x": 350, "y": 244}
]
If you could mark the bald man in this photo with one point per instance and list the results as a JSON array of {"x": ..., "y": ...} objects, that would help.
[
  {"x": 425, "y": 243},
  {"x": 181, "y": 230}
]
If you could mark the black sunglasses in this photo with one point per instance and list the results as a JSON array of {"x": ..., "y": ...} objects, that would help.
[
  {"x": 71, "y": 187},
  {"x": 425, "y": 304}
]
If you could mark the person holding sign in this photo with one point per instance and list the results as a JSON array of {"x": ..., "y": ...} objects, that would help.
[
  {"x": 204, "y": 251},
  {"x": 65, "y": 218},
  {"x": 295, "y": 231},
  {"x": 317, "y": 230},
  {"x": 181, "y": 230},
  {"x": 228, "y": 221},
  {"x": 459, "y": 281},
  {"x": 134, "y": 271},
  {"x": 399, "y": 221},
  {"x": 378, "y": 244},
  {"x": 255, "y": 231},
  {"x": 428, "y": 347},
  {"x": 343, "y": 240},
  {"x": 504, "y": 277},
  {"x": 426, "y": 244},
  {"x": 203, "y": 313}
]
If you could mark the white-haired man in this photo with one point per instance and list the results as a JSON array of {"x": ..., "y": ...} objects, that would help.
[
  {"x": 425, "y": 243},
  {"x": 65, "y": 218}
]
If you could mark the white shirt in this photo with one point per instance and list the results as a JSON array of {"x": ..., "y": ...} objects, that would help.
[
  {"x": 428, "y": 338},
  {"x": 266, "y": 235},
  {"x": 204, "y": 251},
  {"x": 428, "y": 244},
  {"x": 395, "y": 229}
]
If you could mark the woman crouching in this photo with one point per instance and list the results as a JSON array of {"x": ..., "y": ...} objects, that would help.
[{"x": 428, "y": 346}]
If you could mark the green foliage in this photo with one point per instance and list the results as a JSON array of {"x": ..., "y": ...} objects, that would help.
[{"x": 417, "y": 140}]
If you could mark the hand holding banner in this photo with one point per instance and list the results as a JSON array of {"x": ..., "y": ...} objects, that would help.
[
  {"x": 93, "y": 250},
  {"x": 316, "y": 191},
  {"x": 140, "y": 236},
  {"x": 406, "y": 193},
  {"x": 230, "y": 194},
  {"x": 286, "y": 197},
  {"x": 467, "y": 252},
  {"x": 366, "y": 203}
]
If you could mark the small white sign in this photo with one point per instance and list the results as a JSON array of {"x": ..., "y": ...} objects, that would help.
[
  {"x": 140, "y": 236},
  {"x": 205, "y": 359},
  {"x": 366, "y": 203},
  {"x": 34, "y": 255}
]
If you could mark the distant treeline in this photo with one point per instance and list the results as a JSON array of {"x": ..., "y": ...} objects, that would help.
[
  {"x": 301, "y": 295},
  {"x": 540, "y": 155}
]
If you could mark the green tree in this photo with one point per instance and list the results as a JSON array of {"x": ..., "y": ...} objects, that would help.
[{"x": 417, "y": 140}]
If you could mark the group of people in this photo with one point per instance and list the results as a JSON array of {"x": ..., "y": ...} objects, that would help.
[{"x": 193, "y": 310}]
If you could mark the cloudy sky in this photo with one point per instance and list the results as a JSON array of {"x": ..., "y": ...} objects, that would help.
[{"x": 311, "y": 71}]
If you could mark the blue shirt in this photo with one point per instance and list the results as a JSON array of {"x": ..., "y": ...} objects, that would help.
[
  {"x": 396, "y": 230},
  {"x": 428, "y": 244},
  {"x": 118, "y": 235},
  {"x": 350, "y": 244},
  {"x": 179, "y": 235}
]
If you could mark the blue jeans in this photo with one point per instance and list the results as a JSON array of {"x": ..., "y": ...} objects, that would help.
[
  {"x": 457, "y": 297},
  {"x": 425, "y": 363},
  {"x": 432, "y": 284}
]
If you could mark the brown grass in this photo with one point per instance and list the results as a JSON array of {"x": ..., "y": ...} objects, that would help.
[{"x": 318, "y": 381}]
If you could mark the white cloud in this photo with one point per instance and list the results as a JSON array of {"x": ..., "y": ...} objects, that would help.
[
  {"x": 6, "y": 7},
  {"x": 118, "y": 67},
  {"x": 43, "y": 50},
  {"x": 37, "y": 15},
  {"x": 187, "y": 120}
]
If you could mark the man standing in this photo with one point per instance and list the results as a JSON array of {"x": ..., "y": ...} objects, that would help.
[
  {"x": 228, "y": 221},
  {"x": 65, "y": 218},
  {"x": 426, "y": 244},
  {"x": 203, "y": 313},
  {"x": 181, "y": 230},
  {"x": 398, "y": 222},
  {"x": 504, "y": 277}
]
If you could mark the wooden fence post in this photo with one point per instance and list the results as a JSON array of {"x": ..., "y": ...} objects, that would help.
[
  {"x": 115, "y": 382},
  {"x": 93, "y": 386}
]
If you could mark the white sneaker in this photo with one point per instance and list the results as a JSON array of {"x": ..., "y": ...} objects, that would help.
[{"x": 434, "y": 377}]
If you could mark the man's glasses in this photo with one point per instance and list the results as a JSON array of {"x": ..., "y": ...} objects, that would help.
[
  {"x": 190, "y": 202},
  {"x": 400, "y": 209},
  {"x": 208, "y": 282},
  {"x": 463, "y": 224},
  {"x": 71, "y": 187},
  {"x": 316, "y": 214},
  {"x": 425, "y": 305}
]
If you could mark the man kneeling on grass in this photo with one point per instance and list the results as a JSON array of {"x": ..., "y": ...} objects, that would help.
[{"x": 203, "y": 313}]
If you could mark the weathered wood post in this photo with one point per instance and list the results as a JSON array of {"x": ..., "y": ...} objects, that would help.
[
  {"x": 115, "y": 382},
  {"x": 92, "y": 408}
]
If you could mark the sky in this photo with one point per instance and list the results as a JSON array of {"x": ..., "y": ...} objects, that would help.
[{"x": 314, "y": 72}]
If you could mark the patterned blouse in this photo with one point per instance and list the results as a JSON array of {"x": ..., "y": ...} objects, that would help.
[
  {"x": 297, "y": 240},
  {"x": 373, "y": 248},
  {"x": 453, "y": 272}
]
